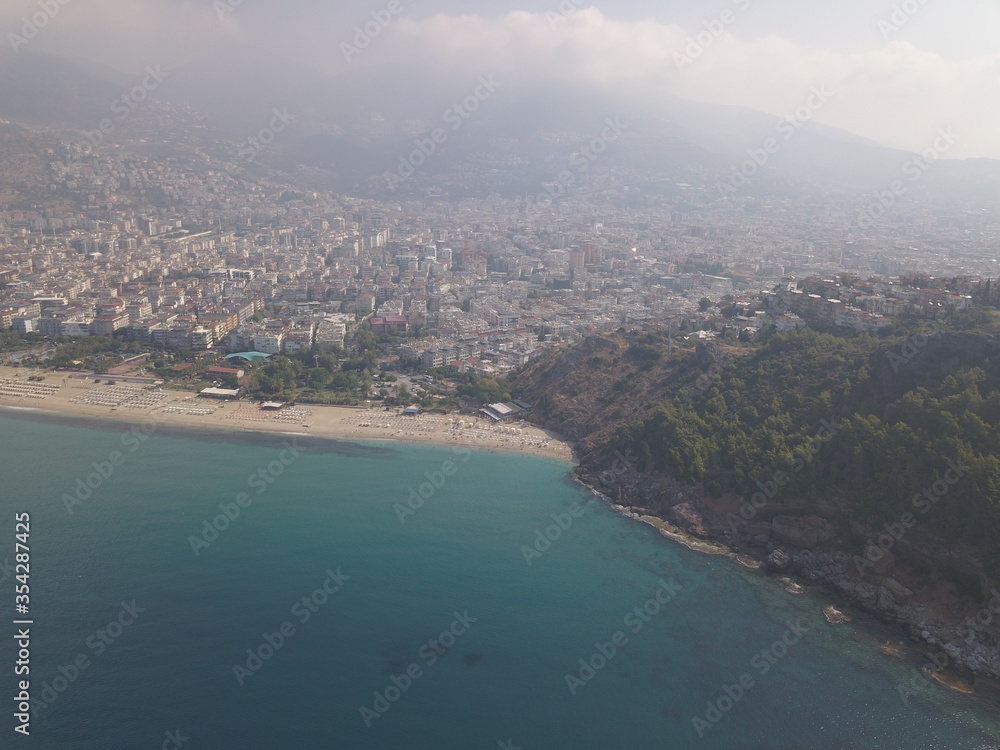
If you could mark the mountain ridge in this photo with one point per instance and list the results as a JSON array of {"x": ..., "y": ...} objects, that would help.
[{"x": 353, "y": 128}]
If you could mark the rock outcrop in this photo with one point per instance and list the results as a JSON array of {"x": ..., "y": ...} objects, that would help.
[
  {"x": 597, "y": 390},
  {"x": 804, "y": 532}
]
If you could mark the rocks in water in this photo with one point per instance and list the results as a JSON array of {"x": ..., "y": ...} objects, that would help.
[
  {"x": 748, "y": 562},
  {"x": 803, "y": 546},
  {"x": 804, "y": 532},
  {"x": 834, "y": 616},
  {"x": 895, "y": 650},
  {"x": 778, "y": 559},
  {"x": 889, "y": 599},
  {"x": 792, "y": 587},
  {"x": 949, "y": 681}
]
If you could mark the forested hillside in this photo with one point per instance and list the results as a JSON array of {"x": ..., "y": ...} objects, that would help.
[{"x": 908, "y": 424}]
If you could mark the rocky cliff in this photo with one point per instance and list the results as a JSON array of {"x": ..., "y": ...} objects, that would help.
[{"x": 900, "y": 570}]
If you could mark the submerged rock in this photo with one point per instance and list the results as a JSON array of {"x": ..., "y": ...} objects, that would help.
[{"x": 834, "y": 616}]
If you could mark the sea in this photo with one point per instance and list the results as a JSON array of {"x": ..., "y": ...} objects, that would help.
[{"x": 196, "y": 589}]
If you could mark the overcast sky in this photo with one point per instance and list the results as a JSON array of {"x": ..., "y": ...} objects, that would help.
[{"x": 939, "y": 69}]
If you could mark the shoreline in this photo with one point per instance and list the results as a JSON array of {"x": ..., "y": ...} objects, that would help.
[
  {"x": 60, "y": 395},
  {"x": 332, "y": 423},
  {"x": 824, "y": 593}
]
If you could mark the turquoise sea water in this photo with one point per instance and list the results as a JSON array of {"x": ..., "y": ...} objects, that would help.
[{"x": 456, "y": 566}]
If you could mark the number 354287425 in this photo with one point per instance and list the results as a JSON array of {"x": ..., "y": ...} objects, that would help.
[{"x": 22, "y": 559}]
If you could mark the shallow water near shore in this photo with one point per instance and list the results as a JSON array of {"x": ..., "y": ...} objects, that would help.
[{"x": 424, "y": 624}]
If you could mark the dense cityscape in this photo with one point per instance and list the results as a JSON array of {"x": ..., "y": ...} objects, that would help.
[{"x": 188, "y": 257}]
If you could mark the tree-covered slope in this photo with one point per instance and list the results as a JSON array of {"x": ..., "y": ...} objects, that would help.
[{"x": 908, "y": 424}]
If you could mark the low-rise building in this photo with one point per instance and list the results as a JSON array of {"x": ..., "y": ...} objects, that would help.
[{"x": 106, "y": 325}]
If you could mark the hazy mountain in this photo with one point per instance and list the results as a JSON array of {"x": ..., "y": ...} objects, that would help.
[
  {"x": 43, "y": 90},
  {"x": 355, "y": 130}
]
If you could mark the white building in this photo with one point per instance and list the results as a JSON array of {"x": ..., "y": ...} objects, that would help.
[
  {"x": 74, "y": 328},
  {"x": 25, "y": 324},
  {"x": 269, "y": 343}
]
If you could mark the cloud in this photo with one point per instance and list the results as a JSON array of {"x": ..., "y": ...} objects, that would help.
[
  {"x": 895, "y": 94},
  {"x": 126, "y": 34}
]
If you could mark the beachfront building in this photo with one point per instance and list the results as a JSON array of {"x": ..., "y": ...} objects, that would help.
[
  {"x": 499, "y": 412},
  {"x": 220, "y": 393}
]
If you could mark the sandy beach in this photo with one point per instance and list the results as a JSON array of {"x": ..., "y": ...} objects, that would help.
[{"x": 134, "y": 402}]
